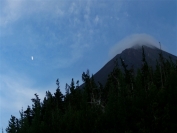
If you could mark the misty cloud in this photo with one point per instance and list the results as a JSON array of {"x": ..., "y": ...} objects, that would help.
[{"x": 133, "y": 40}]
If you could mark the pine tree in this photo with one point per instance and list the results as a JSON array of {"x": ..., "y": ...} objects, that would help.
[
  {"x": 72, "y": 86},
  {"x": 12, "y": 127},
  {"x": 144, "y": 70},
  {"x": 77, "y": 84},
  {"x": 67, "y": 89},
  {"x": 128, "y": 78},
  {"x": 36, "y": 106},
  {"x": 86, "y": 76},
  {"x": 58, "y": 96},
  {"x": 87, "y": 85},
  {"x": 28, "y": 115},
  {"x": 48, "y": 108},
  {"x": 127, "y": 103}
]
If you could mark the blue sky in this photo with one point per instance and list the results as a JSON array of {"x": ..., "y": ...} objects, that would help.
[{"x": 68, "y": 37}]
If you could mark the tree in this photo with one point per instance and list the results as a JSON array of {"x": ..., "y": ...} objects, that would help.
[
  {"x": 127, "y": 103},
  {"x": 58, "y": 96},
  {"x": 28, "y": 115},
  {"x": 144, "y": 70},
  {"x": 67, "y": 88},
  {"x": 128, "y": 78},
  {"x": 72, "y": 86},
  {"x": 85, "y": 76},
  {"x": 77, "y": 84},
  {"x": 13, "y": 125}
]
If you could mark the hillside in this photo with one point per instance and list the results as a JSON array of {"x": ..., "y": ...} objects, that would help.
[
  {"x": 133, "y": 103},
  {"x": 133, "y": 58}
]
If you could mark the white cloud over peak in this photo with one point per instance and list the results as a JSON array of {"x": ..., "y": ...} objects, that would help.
[{"x": 132, "y": 40}]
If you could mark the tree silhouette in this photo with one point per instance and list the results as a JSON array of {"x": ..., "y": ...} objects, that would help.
[{"x": 134, "y": 103}]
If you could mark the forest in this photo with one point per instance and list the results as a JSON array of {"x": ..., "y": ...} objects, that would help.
[{"x": 141, "y": 101}]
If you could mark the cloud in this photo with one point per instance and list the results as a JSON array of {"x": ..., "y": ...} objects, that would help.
[
  {"x": 96, "y": 19},
  {"x": 17, "y": 90},
  {"x": 40, "y": 26},
  {"x": 76, "y": 53},
  {"x": 132, "y": 40},
  {"x": 13, "y": 10},
  {"x": 10, "y": 11}
]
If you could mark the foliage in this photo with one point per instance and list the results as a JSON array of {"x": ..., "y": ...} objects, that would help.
[{"x": 141, "y": 102}]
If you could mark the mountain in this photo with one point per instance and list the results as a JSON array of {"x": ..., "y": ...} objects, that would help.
[{"x": 133, "y": 58}]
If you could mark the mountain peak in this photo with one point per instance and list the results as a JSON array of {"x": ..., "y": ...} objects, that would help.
[
  {"x": 139, "y": 46},
  {"x": 133, "y": 41},
  {"x": 133, "y": 58}
]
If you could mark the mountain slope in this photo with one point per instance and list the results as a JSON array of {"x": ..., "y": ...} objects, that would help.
[{"x": 132, "y": 57}]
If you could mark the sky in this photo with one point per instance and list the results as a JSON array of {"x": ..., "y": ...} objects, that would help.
[{"x": 45, "y": 40}]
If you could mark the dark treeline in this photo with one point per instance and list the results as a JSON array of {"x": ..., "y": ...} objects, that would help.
[{"x": 144, "y": 102}]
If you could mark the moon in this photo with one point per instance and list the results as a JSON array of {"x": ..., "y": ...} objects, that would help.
[{"x": 31, "y": 57}]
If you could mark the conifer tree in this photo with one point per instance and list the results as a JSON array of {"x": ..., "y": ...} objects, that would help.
[
  {"x": 72, "y": 86},
  {"x": 145, "y": 70},
  {"x": 127, "y": 103},
  {"x": 58, "y": 97},
  {"x": 13, "y": 125},
  {"x": 77, "y": 84}
]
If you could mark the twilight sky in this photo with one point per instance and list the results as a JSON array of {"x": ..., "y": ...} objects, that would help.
[{"x": 67, "y": 37}]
